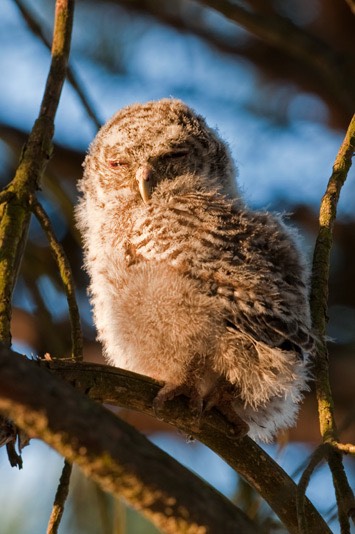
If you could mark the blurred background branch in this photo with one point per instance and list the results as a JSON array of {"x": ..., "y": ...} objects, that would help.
[
  {"x": 282, "y": 48},
  {"x": 60, "y": 498},
  {"x": 72, "y": 77},
  {"x": 351, "y": 4}
]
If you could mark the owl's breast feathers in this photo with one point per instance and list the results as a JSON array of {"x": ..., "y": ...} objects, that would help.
[{"x": 245, "y": 259}]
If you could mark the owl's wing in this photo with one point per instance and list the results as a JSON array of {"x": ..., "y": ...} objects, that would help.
[
  {"x": 264, "y": 323},
  {"x": 264, "y": 283}
]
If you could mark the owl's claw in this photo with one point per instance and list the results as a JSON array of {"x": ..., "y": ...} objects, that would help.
[
  {"x": 170, "y": 391},
  {"x": 166, "y": 393},
  {"x": 240, "y": 428},
  {"x": 222, "y": 399}
]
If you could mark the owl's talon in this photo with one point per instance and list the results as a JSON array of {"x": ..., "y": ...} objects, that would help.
[
  {"x": 222, "y": 399},
  {"x": 196, "y": 406},
  {"x": 170, "y": 391},
  {"x": 157, "y": 407},
  {"x": 166, "y": 393},
  {"x": 238, "y": 430}
]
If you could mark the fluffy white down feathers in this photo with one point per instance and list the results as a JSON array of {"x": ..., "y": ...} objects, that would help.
[{"x": 188, "y": 285}]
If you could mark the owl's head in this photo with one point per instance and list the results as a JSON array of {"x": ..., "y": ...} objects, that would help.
[{"x": 144, "y": 146}]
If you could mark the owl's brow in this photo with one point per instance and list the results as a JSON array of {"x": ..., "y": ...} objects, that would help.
[{"x": 116, "y": 151}]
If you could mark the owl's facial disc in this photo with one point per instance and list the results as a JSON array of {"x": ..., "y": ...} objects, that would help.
[{"x": 145, "y": 182}]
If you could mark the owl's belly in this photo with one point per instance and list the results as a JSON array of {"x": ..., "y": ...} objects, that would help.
[{"x": 157, "y": 322}]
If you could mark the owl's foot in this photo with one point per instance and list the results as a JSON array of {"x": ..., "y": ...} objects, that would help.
[
  {"x": 170, "y": 391},
  {"x": 240, "y": 428},
  {"x": 223, "y": 399}
]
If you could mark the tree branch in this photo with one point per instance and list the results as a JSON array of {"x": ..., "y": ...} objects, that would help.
[
  {"x": 111, "y": 452},
  {"x": 59, "y": 500},
  {"x": 343, "y": 492},
  {"x": 327, "y": 216},
  {"x": 318, "y": 455},
  {"x": 63, "y": 24},
  {"x": 320, "y": 277},
  {"x": 66, "y": 276},
  {"x": 319, "y": 305},
  {"x": 15, "y": 214},
  {"x": 111, "y": 385}
]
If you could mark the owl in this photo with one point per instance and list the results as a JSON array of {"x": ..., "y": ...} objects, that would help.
[{"x": 189, "y": 286}]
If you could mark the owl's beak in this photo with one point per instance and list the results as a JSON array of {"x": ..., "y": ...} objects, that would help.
[{"x": 145, "y": 185}]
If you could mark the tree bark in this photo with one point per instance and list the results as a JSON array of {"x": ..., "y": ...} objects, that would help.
[
  {"x": 19, "y": 395},
  {"x": 113, "y": 453}
]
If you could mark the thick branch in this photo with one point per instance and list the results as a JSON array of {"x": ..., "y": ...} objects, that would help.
[
  {"x": 118, "y": 387},
  {"x": 111, "y": 452}
]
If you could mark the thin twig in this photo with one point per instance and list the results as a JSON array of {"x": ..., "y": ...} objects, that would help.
[
  {"x": 346, "y": 448},
  {"x": 320, "y": 277},
  {"x": 319, "y": 304},
  {"x": 66, "y": 276},
  {"x": 317, "y": 456},
  {"x": 343, "y": 492},
  {"x": 37, "y": 30},
  {"x": 60, "y": 49},
  {"x": 59, "y": 500},
  {"x": 327, "y": 216},
  {"x": 15, "y": 217}
]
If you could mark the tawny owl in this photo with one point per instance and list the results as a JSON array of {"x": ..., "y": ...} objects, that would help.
[{"x": 189, "y": 286}]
